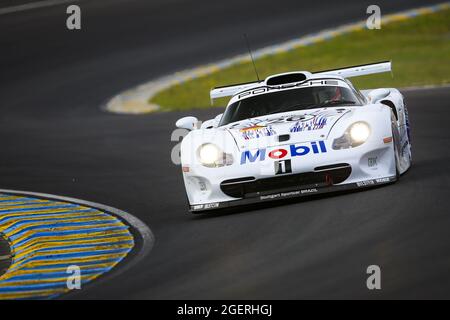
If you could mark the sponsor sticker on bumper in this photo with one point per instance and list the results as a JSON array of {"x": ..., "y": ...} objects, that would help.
[{"x": 292, "y": 194}]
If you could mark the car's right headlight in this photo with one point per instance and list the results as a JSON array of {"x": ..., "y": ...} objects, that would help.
[
  {"x": 354, "y": 136},
  {"x": 359, "y": 132},
  {"x": 211, "y": 156}
]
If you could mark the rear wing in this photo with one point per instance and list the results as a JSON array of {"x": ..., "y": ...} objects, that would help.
[
  {"x": 361, "y": 70},
  {"x": 231, "y": 90},
  {"x": 347, "y": 72}
]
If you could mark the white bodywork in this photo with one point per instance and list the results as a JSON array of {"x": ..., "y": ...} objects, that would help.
[{"x": 259, "y": 164}]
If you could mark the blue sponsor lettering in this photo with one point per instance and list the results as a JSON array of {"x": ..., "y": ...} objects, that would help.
[
  {"x": 295, "y": 151},
  {"x": 260, "y": 153},
  {"x": 322, "y": 146},
  {"x": 299, "y": 150}
]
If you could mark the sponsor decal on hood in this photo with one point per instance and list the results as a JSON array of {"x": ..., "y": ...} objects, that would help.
[
  {"x": 257, "y": 131},
  {"x": 301, "y": 126},
  {"x": 293, "y": 150}
]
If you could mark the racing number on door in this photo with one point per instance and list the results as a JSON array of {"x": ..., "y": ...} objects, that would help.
[{"x": 283, "y": 166}]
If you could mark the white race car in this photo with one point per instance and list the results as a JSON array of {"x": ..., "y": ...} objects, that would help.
[{"x": 295, "y": 134}]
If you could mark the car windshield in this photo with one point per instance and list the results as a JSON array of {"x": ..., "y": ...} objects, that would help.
[{"x": 288, "y": 100}]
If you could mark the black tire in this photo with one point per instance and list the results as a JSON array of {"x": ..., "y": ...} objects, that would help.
[{"x": 396, "y": 154}]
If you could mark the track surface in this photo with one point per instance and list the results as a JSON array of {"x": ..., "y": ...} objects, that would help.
[
  {"x": 56, "y": 140},
  {"x": 5, "y": 255}
]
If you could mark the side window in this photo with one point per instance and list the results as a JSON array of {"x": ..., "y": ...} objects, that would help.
[{"x": 356, "y": 92}]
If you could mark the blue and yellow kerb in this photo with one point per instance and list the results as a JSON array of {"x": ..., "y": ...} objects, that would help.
[{"x": 47, "y": 236}]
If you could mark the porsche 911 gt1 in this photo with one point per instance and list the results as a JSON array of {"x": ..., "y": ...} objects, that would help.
[{"x": 295, "y": 134}]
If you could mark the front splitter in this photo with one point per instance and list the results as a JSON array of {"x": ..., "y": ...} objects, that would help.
[{"x": 290, "y": 193}]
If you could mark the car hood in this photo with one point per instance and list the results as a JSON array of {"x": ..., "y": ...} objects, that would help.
[{"x": 285, "y": 128}]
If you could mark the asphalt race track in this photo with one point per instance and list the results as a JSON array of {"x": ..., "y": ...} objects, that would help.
[{"x": 55, "y": 139}]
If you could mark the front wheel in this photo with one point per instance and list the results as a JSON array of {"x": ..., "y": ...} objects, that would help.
[
  {"x": 395, "y": 141},
  {"x": 397, "y": 170}
]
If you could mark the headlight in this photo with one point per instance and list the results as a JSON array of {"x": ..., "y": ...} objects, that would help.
[
  {"x": 354, "y": 136},
  {"x": 359, "y": 132},
  {"x": 211, "y": 156}
]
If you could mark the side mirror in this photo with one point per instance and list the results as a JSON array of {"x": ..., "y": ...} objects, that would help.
[
  {"x": 212, "y": 123},
  {"x": 378, "y": 94},
  {"x": 218, "y": 118},
  {"x": 189, "y": 123}
]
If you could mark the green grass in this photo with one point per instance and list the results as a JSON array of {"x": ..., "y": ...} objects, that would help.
[{"x": 419, "y": 49}]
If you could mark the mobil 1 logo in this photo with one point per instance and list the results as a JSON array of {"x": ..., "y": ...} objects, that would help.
[{"x": 283, "y": 166}]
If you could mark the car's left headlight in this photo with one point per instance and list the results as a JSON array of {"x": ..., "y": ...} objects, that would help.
[
  {"x": 354, "y": 136},
  {"x": 212, "y": 156},
  {"x": 359, "y": 132}
]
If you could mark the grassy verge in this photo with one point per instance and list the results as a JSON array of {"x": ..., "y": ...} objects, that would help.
[{"x": 418, "y": 47}]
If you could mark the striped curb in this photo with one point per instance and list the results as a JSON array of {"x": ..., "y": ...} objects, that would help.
[
  {"x": 47, "y": 236},
  {"x": 136, "y": 100},
  {"x": 426, "y": 87}
]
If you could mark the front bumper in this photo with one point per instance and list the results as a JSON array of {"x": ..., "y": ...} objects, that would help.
[
  {"x": 291, "y": 193},
  {"x": 205, "y": 186}
]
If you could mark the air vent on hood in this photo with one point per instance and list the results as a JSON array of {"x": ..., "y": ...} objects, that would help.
[
  {"x": 285, "y": 78},
  {"x": 283, "y": 137}
]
